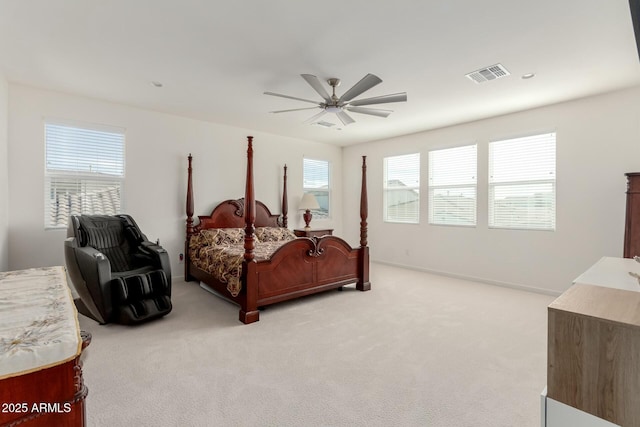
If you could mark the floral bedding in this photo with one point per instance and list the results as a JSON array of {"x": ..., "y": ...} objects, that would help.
[{"x": 220, "y": 251}]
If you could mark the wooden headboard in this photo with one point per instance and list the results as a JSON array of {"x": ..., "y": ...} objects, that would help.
[{"x": 230, "y": 214}]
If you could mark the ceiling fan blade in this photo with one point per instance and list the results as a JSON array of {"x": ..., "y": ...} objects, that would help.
[
  {"x": 292, "y": 97},
  {"x": 294, "y": 109},
  {"x": 396, "y": 97},
  {"x": 314, "y": 118},
  {"x": 363, "y": 85},
  {"x": 370, "y": 111},
  {"x": 345, "y": 118},
  {"x": 315, "y": 84}
]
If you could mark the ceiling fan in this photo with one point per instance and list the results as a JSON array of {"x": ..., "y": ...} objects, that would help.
[{"x": 340, "y": 105}]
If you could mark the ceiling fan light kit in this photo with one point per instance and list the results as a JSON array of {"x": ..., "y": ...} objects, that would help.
[{"x": 340, "y": 105}]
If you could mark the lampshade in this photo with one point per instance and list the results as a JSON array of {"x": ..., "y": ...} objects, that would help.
[{"x": 308, "y": 202}]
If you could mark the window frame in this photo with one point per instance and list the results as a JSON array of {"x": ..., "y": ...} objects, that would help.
[
  {"x": 78, "y": 177},
  {"x": 492, "y": 185},
  {"x": 472, "y": 184},
  {"x": 386, "y": 189},
  {"x": 318, "y": 214}
]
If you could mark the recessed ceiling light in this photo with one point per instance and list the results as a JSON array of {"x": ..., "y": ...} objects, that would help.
[
  {"x": 528, "y": 76},
  {"x": 156, "y": 83}
]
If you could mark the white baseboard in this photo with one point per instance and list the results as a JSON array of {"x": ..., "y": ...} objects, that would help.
[{"x": 473, "y": 279}]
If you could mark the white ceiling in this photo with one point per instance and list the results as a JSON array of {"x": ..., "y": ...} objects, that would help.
[{"x": 216, "y": 58}]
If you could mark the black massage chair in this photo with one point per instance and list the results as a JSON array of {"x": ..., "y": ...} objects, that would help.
[{"x": 119, "y": 275}]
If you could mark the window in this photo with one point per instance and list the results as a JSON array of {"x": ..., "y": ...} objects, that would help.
[
  {"x": 84, "y": 172},
  {"x": 316, "y": 181},
  {"x": 453, "y": 185},
  {"x": 522, "y": 183},
  {"x": 402, "y": 189}
]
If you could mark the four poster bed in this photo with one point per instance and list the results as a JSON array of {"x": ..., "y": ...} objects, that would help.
[{"x": 246, "y": 254}]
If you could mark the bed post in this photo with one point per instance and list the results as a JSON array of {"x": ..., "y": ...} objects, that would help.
[
  {"x": 249, "y": 206},
  {"x": 285, "y": 201},
  {"x": 187, "y": 275},
  {"x": 363, "y": 283},
  {"x": 249, "y": 309}
]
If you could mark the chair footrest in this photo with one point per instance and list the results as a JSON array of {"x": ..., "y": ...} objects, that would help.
[{"x": 141, "y": 297}]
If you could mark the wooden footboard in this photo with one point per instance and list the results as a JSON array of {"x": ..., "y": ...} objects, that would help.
[
  {"x": 300, "y": 267},
  {"x": 305, "y": 266}
]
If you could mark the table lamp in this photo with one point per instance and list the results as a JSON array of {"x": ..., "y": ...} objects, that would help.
[{"x": 307, "y": 203}]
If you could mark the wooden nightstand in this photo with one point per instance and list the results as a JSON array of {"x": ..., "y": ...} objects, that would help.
[{"x": 313, "y": 232}]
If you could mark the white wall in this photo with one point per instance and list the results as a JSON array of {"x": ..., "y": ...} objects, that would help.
[
  {"x": 598, "y": 140},
  {"x": 4, "y": 176},
  {"x": 157, "y": 146}
]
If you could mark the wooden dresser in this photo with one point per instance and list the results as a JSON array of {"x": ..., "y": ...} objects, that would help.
[
  {"x": 632, "y": 221},
  {"x": 593, "y": 365},
  {"x": 40, "y": 351}
]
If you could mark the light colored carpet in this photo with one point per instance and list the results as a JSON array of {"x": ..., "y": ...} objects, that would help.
[{"x": 417, "y": 350}]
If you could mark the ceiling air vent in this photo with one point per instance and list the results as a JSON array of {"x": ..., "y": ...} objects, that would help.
[
  {"x": 488, "y": 73},
  {"x": 325, "y": 124}
]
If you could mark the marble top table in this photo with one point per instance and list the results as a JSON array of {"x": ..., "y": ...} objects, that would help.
[
  {"x": 611, "y": 272},
  {"x": 38, "y": 321}
]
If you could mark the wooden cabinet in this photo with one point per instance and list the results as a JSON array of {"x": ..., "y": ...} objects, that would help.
[
  {"x": 41, "y": 346},
  {"x": 53, "y": 396},
  {"x": 632, "y": 222},
  {"x": 594, "y": 352},
  {"x": 594, "y": 343},
  {"x": 313, "y": 232}
]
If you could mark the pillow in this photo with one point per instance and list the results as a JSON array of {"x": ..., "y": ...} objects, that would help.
[
  {"x": 274, "y": 234},
  {"x": 221, "y": 236}
]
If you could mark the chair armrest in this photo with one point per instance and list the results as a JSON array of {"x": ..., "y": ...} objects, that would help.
[
  {"x": 90, "y": 272},
  {"x": 93, "y": 264},
  {"x": 159, "y": 255},
  {"x": 152, "y": 246}
]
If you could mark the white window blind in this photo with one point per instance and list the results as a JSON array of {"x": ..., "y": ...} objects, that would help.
[
  {"x": 316, "y": 181},
  {"x": 84, "y": 172},
  {"x": 522, "y": 183},
  {"x": 453, "y": 186},
  {"x": 402, "y": 188}
]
